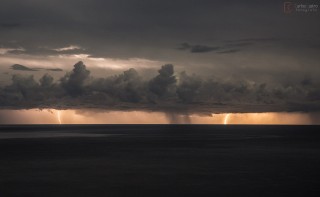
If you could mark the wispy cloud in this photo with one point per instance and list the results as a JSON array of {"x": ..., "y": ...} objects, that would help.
[
  {"x": 197, "y": 48},
  {"x": 229, "y": 46},
  {"x": 69, "y": 48},
  {"x": 4, "y": 51},
  {"x": 267, "y": 39},
  {"x": 21, "y": 68}
]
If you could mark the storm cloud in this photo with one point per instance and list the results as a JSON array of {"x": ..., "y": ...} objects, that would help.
[
  {"x": 167, "y": 91},
  {"x": 114, "y": 28},
  {"x": 197, "y": 48},
  {"x": 161, "y": 84},
  {"x": 74, "y": 82},
  {"x": 21, "y": 67},
  {"x": 240, "y": 51},
  {"x": 228, "y": 47}
]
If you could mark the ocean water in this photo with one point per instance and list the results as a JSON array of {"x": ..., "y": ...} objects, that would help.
[{"x": 159, "y": 160}]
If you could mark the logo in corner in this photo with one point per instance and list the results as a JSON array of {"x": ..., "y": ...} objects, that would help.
[{"x": 288, "y": 7}]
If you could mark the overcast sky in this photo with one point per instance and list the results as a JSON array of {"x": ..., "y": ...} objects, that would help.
[
  {"x": 200, "y": 35},
  {"x": 230, "y": 40}
]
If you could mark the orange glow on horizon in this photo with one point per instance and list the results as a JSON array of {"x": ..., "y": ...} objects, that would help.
[{"x": 36, "y": 116}]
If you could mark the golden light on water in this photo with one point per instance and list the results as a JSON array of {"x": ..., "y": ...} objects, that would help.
[{"x": 51, "y": 116}]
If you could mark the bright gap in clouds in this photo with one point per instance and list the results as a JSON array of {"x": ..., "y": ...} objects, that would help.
[
  {"x": 67, "y": 61},
  {"x": 4, "y": 51},
  {"x": 87, "y": 116},
  {"x": 68, "y": 48}
]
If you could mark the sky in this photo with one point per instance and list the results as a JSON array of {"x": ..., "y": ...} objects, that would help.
[
  {"x": 36, "y": 116},
  {"x": 254, "y": 42},
  {"x": 233, "y": 34}
]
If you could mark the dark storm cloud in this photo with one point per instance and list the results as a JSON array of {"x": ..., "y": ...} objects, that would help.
[
  {"x": 202, "y": 49},
  {"x": 215, "y": 34},
  {"x": 188, "y": 87},
  {"x": 289, "y": 43},
  {"x": 46, "y": 81},
  {"x": 21, "y": 68},
  {"x": 126, "y": 87},
  {"x": 217, "y": 49},
  {"x": 74, "y": 82},
  {"x": 25, "y": 85},
  {"x": 134, "y": 28},
  {"x": 231, "y": 46},
  {"x": 254, "y": 40},
  {"x": 54, "y": 69},
  {"x": 166, "y": 91},
  {"x": 197, "y": 48},
  {"x": 162, "y": 83}
]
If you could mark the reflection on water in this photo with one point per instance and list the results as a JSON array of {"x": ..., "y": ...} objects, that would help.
[
  {"x": 51, "y": 116},
  {"x": 23, "y": 135}
]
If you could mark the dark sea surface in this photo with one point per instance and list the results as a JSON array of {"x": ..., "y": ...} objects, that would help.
[{"x": 159, "y": 160}]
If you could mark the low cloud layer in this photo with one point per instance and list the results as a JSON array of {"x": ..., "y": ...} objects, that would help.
[
  {"x": 166, "y": 91},
  {"x": 19, "y": 67},
  {"x": 228, "y": 47},
  {"x": 197, "y": 48}
]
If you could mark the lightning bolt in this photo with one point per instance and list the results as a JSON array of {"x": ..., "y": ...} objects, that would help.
[
  {"x": 226, "y": 119},
  {"x": 59, "y": 117}
]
